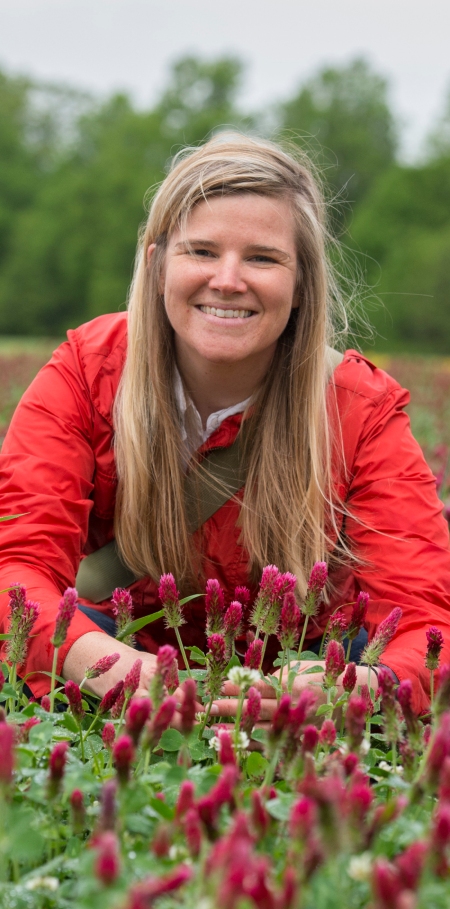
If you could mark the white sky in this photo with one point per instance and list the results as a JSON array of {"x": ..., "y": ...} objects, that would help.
[{"x": 103, "y": 45}]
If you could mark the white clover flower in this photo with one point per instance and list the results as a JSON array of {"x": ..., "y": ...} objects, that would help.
[
  {"x": 242, "y": 742},
  {"x": 214, "y": 742},
  {"x": 132, "y": 855},
  {"x": 42, "y": 883},
  {"x": 365, "y": 746},
  {"x": 360, "y": 867},
  {"x": 243, "y": 677},
  {"x": 383, "y": 765}
]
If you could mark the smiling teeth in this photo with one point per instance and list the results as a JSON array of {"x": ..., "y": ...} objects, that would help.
[{"x": 226, "y": 313}]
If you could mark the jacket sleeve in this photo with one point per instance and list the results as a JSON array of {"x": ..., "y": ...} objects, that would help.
[
  {"x": 396, "y": 528},
  {"x": 46, "y": 471}
]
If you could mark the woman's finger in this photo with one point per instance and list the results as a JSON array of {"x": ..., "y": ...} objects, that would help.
[{"x": 228, "y": 708}]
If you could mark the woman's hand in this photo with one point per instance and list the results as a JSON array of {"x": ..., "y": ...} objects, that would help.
[
  {"x": 226, "y": 706},
  {"x": 92, "y": 646}
]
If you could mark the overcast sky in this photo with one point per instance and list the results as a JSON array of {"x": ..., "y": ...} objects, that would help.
[{"x": 103, "y": 45}]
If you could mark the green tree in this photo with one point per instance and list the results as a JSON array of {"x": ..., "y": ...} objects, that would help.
[
  {"x": 342, "y": 117},
  {"x": 80, "y": 233},
  {"x": 403, "y": 233}
]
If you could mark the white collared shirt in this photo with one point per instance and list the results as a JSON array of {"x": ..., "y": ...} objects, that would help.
[{"x": 192, "y": 432}]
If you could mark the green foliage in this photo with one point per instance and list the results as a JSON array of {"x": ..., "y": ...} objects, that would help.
[
  {"x": 342, "y": 116},
  {"x": 75, "y": 175}
]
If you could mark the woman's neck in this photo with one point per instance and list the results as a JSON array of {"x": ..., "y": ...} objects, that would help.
[{"x": 216, "y": 386}]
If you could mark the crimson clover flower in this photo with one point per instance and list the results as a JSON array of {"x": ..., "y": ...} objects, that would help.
[
  {"x": 214, "y": 607},
  {"x": 252, "y": 710},
  {"x": 404, "y": 697},
  {"x": 21, "y": 627},
  {"x": 216, "y": 665},
  {"x": 358, "y": 616},
  {"x": 435, "y": 643},
  {"x": 132, "y": 679},
  {"x": 73, "y": 695},
  {"x": 383, "y": 635},
  {"x": 170, "y": 599},
  {"x": 337, "y": 627},
  {"x": 349, "y": 678},
  {"x": 143, "y": 895},
  {"x": 185, "y": 800},
  {"x": 6, "y": 754},
  {"x": 334, "y": 663},
  {"x": 267, "y": 595},
  {"x": 101, "y": 666},
  {"x": 138, "y": 712},
  {"x": 160, "y": 721},
  {"x": 66, "y": 611},
  {"x": 355, "y": 721},
  {"x": 310, "y": 739},
  {"x": 242, "y": 595},
  {"x": 303, "y": 818},
  {"x": 327, "y": 734},
  {"x": 46, "y": 703},
  {"x": 56, "y": 766},
  {"x": 288, "y": 632},
  {"x": 193, "y": 832},
  {"x": 122, "y": 606},
  {"x": 78, "y": 810},
  {"x": 108, "y": 809},
  {"x": 110, "y": 698},
  {"x": 443, "y": 689},
  {"x": 108, "y": 735},
  {"x": 123, "y": 756},
  {"x": 188, "y": 707},
  {"x": 232, "y": 624},
  {"x": 107, "y": 862},
  {"x": 316, "y": 583},
  {"x": 388, "y": 705},
  {"x": 253, "y": 656}
]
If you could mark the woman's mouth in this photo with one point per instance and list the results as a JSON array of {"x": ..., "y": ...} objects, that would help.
[{"x": 226, "y": 313}]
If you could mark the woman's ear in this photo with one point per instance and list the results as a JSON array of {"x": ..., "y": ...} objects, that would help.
[{"x": 150, "y": 252}]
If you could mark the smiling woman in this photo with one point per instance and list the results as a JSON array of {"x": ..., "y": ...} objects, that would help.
[{"x": 226, "y": 349}]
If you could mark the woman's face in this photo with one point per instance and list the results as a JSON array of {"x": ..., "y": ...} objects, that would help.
[{"x": 228, "y": 280}]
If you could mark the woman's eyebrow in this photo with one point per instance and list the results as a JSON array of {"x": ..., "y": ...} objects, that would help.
[{"x": 258, "y": 248}]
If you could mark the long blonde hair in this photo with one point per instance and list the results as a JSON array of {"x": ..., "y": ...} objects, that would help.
[{"x": 288, "y": 488}]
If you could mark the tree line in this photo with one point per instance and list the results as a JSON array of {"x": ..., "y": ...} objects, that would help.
[{"x": 75, "y": 173}]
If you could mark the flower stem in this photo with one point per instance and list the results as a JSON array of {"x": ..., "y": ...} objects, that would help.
[
  {"x": 205, "y": 718},
  {"x": 263, "y": 652},
  {"x": 302, "y": 639},
  {"x": 431, "y": 687},
  {"x": 349, "y": 647},
  {"x": 53, "y": 680},
  {"x": 271, "y": 770},
  {"x": 183, "y": 652},
  {"x": 237, "y": 721},
  {"x": 12, "y": 681},
  {"x": 283, "y": 658}
]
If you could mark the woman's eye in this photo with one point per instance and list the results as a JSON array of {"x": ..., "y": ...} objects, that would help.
[
  {"x": 263, "y": 259},
  {"x": 201, "y": 252}
]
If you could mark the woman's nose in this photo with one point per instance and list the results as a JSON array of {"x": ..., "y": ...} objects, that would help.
[{"x": 227, "y": 276}]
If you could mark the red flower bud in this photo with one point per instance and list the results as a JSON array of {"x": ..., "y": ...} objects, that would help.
[
  {"x": 334, "y": 663},
  {"x": 138, "y": 712},
  {"x": 132, "y": 679},
  {"x": 310, "y": 739},
  {"x": 142, "y": 895},
  {"x": 193, "y": 832},
  {"x": 349, "y": 678},
  {"x": 327, "y": 735},
  {"x": 78, "y": 810},
  {"x": 162, "y": 840},
  {"x": 252, "y": 710},
  {"x": 45, "y": 703},
  {"x": 107, "y": 864},
  {"x": 302, "y": 819},
  {"x": 214, "y": 608},
  {"x": 188, "y": 707},
  {"x": 185, "y": 799},
  {"x": 123, "y": 756},
  {"x": 107, "y": 817},
  {"x": 355, "y": 720},
  {"x": 110, "y": 698},
  {"x": 161, "y": 721},
  {"x": 66, "y": 611},
  {"x": 226, "y": 750},
  {"x": 6, "y": 754},
  {"x": 57, "y": 763},
  {"x": 259, "y": 816},
  {"x": 253, "y": 655},
  {"x": 435, "y": 643},
  {"x": 108, "y": 735},
  {"x": 101, "y": 666},
  {"x": 73, "y": 695}
]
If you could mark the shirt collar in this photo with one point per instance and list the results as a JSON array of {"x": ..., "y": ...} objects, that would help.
[{"x": 193, "y": 434}]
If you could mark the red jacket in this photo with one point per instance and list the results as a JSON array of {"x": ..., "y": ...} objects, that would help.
[{"x": 57, "y": 467}]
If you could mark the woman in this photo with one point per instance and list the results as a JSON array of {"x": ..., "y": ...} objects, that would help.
[{"x": 228, "y": 326}]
